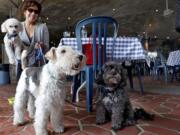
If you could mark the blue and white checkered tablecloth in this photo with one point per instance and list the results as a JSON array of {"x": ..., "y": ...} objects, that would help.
[
  {"x": 174, "y": 58},
  {"x": 126, "y": 48}
]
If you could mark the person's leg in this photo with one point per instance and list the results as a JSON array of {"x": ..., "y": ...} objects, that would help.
[{"x": 18, "y": 70}]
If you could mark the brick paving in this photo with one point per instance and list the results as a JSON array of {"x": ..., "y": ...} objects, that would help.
[{"x": 166, "y": 108}]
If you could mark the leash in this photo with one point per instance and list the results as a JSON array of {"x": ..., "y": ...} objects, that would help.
[{"x": 40, "y": 55}]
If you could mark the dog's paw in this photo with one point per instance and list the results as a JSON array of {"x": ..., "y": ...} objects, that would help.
[
  {"x": 100, "y": 121},
  {"x": 19, "y": 123},
  {"x": 59, "y": 130},
  {"x": 117, "y": 126},
  {"x": 129, "y": 122}
]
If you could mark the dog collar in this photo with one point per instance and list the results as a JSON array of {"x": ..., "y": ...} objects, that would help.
[
  {"x": 11, "y": 35},
  {"x": 107, "y": 90}
]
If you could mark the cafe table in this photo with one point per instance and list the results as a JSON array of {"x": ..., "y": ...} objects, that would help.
[{"x": 126, "y": 49}]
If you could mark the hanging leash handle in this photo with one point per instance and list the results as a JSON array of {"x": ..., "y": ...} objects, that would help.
[{"x": 40, "y": 54}]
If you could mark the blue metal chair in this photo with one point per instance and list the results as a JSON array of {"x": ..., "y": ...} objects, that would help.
[
  {"x": 160, "y": 64},
  {"x": 99, "y": 27}
]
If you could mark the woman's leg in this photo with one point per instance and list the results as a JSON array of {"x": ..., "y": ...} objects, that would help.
[{"x": 18, "y": 70}]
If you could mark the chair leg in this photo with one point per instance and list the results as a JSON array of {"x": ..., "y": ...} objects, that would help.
[
  {"x": 165, "y": 74},
  {"x": 154, "y": 73},
  {"x": 129, "y": 72},
  {"x": 139, "y": 78},
  {"x": 77, "y": 92},
  {"x": 174, "y": 75},
  {"x": 89, "y": 89},
  {"x": 76, "y": 84},
  {"x": 158, "y": 74}
]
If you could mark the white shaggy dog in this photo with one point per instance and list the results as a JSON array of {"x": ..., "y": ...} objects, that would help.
[
  {"x": 45, "y": 86},
  {"x": 13, "y": 44}
]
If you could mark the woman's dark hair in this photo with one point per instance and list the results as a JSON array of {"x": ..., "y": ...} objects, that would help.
[{"x": 30, "y": 3}]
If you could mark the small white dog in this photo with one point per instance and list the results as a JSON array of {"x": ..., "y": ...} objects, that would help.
[
  {"x": 13, "y": 44},
  {"x": 42, "y": 90}
]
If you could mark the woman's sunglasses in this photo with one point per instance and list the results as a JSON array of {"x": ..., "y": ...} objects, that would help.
[{"x": 30, "y": 10}]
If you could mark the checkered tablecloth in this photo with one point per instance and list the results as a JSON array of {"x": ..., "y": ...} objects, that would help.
[
  {"x": 126, "y": 48},
  {"x": 174, "y": 58}
]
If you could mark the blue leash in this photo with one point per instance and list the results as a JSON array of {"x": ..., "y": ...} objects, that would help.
[{"x": 39, "y": 55}]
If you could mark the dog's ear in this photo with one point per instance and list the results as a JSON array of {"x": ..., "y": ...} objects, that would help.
[
  {"x": 123, "y": 76},
  {"x": 51, "y": 54},
  {"x": 3, "y": 27},
  {"x": 99, "y": 78}
]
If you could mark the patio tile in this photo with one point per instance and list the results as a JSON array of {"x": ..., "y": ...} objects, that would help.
[
  {"x": 172, "y": 116},
  {"x": 80, "y": 115},
  {"x": 159, "y": 130},
  {"x": 131, "y": 130},
  {"x": 96, "y": 130},
  {"x": 165, "y": 123},
  {"x": 147, "y": 133},
  {"x": 10, "y": 129},
  {"x": 79, "y": 122},
  {"x": 70, "y": 121},
  {"x": 82, "y": 133}
]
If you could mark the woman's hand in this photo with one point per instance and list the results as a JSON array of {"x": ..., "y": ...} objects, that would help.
[{"x": 39, "y": 45}]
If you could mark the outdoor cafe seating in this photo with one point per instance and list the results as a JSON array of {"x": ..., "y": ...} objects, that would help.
[
  {"x": 118, "y": 49},
  {"x": 169, "y": 68},
  {"x": 173, "y": 61}
]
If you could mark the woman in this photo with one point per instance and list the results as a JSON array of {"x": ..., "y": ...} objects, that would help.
[{"x": 34, "y": 35}]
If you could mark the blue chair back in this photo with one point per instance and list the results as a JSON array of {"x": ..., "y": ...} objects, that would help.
[{"x": 98, "y": 27}]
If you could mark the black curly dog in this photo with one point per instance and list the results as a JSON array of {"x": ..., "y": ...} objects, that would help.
[{"x": 113, "y": 101}]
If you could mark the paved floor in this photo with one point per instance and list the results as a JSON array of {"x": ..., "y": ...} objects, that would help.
[{"x": 166, "y": 108}]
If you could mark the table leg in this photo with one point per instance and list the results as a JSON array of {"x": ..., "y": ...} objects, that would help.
[
  {"x": 129, "y": 72},
  {"x": 137, "y": 67}
]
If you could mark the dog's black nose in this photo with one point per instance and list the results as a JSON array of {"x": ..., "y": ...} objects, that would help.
[{"x": 80, "y": 57}]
